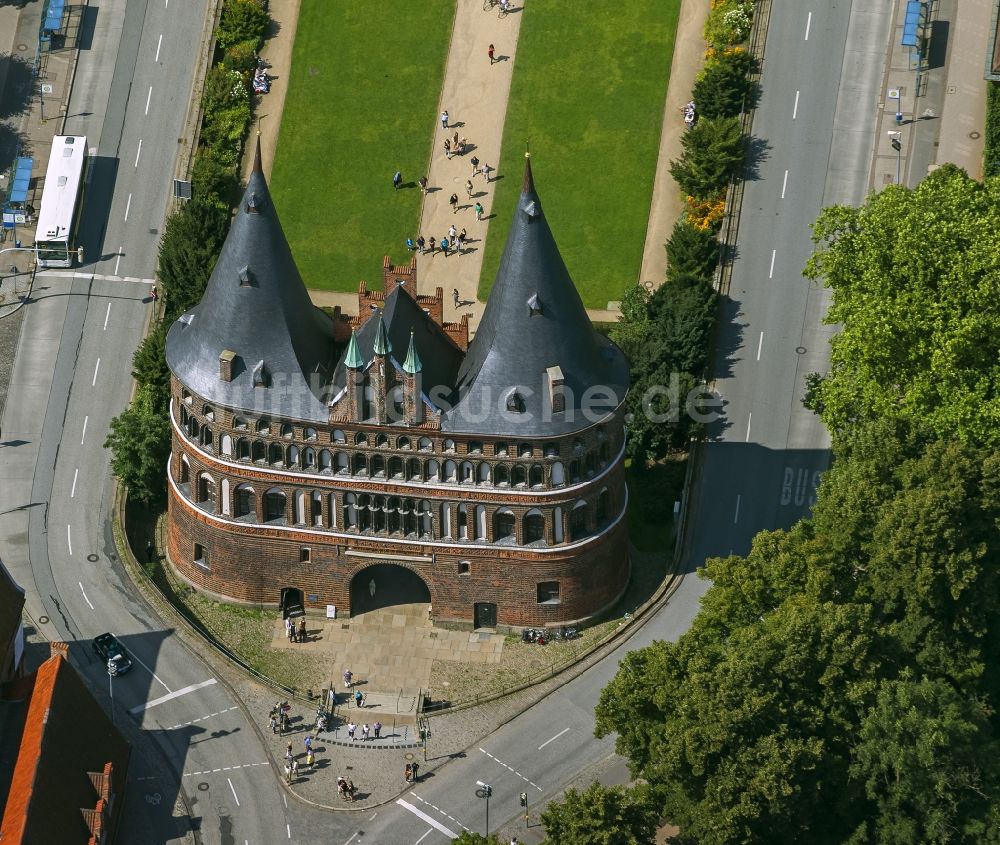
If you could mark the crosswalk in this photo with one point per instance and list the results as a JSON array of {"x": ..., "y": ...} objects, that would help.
[{"x": 67, "y": 274}]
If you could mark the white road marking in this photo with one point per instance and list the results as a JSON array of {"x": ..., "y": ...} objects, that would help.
[
  {"x": 97, "y": 366},
  {"x": 749, "y": 418},
  {"x": 353, "y": 837},
  {"x": 83, "y": 434},
  {"x": 784, "y": 184},
  {"x": 138, "y": 153},
  {"x": 199, "y": 719},
  {"x": 736, "y": 516},
  {"x": 564, "y": 730},
  {"x": 159, "y": 43},
  {"x": 510, "y": 769},
  {"x": 72, "y": 491},
  {"x": 118, "y": 261},
  {"x": 372, "y": 817},
  {"x": 795, "y": 108},
  {"x": 285, "y": 799},
  {"x": 84, "y": 594},
  {"x": 107, "y": 314},
  {"x": 436, "y": 808},
  {"x": 770, "y": 273},
  {"x": 288, "y": 829},
  {"x": 55, "y": 274},
  {"x": 233, "y": 788},
  {"x": 148, "y": 97},
  {"x": 430, "y": 830},
  {"x": 420, "y": 814},
  {"x": 171, "y": 695},
  {"x": 760, "y": 343},
  {"x": 209, "y": 771},
  {"x": 69, "y": 539},
  {"x": 809, "y": 20},
  {"x": 128, "y": 207}
]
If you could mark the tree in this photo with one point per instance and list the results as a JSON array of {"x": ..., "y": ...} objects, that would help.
[
  {"x": 189, "y": 248},
  {"x": 712, "y": 152},
  {"x": 692, "y": 254},
  {"x": 242, "y": 20},
  {"x": 602, "y": 815},
  {"x": 914, "y": 280},
  {"x": 149, "y": 364},
  {"x": 467, "y": 837},
  {"x": 139, "y": 441},
  {"x": 724, "y": 87}
]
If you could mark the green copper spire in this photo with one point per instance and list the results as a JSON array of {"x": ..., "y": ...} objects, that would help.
[
  {"x": 412, "y": 363},
  {"x": 354, "y": 361},
  {"x": 382, "y": 344}
]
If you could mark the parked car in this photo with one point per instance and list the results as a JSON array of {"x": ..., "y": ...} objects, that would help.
[{"x": 108, "y": 648}]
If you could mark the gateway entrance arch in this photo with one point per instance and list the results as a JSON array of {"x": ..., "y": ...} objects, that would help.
[{"x": 385, "y": 585}]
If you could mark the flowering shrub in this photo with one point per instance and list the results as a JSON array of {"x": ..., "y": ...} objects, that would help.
[
  {"x": 706, "y": 214},
  {"x": 729, "y": 22}
]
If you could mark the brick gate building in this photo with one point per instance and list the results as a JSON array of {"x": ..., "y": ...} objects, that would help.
[{"x": 390, "y": 459}]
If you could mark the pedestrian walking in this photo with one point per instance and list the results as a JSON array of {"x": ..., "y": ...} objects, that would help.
[
  {"x": 351, "y": 728},
  {"x": 447, "y": 148},
  {"x": 408, "y": 773},
  {"x": 460, "y": 243},
  {"x": 431, "y": 243},
  {"x": 308, "y": 742},
  {"x": 377, "y": 728},
  {"x": 282, "y": 722},
  {"x": 421, "y": 244},
  {"x": 414, "y": 768},
  {"x": 371, "y": 588},
  {"x": 462, "y": 236},
  {"x": 479, "y": 211},
  {"x": 462, "y": 144},
  {"x": 444, "y": 119},
  {"x": 486, "y": 171},
  {"x": 444, "y": 246},
  {"x": 342, "y": 786},
  {"x": 468, "y": 187},
  {"x": 364, "y": 732},
  {"x": 288, "y": 628},
  {"x": 150, "y": 548},
  {"x": 288, "y": 752},
  {"x": 288, "y": 772},
  {"x": 489, "y": 52},
  {"x": 302, "y": 630},
  {"x": 422, "y": 182},
  {"x": 453, "y": 202},
  {"x": 454, "y": 140},
  {"x": 351, "y": 788},
  {"x": 295, "y": 770},
  {"x": 454, "y": 295},
  {"x": 475, "y": 165},
  {"x": 397, "y": 180},
  {"x": 357, "y": 698},
  {"x": 310, "y": 761},
  {"x": 348, "y": 677},
  {"x": 273, "y": 724},
  {"x": 452, "y": 231}
]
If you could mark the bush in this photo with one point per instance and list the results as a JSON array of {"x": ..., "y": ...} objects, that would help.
[
  {"x": 691, "y": 251},
  {"x": 188, "y": 251},
  {"x": 713, "y": 152},
  {"x": 242, "y": 20},
  {"x": 214, "y": 177},
  {"x": 728, "y": 22},
  {"x": 724, "y": 87},
  {"x": 991, "y": 147},
  {"x": 241, "y": 57},
  {"x": 226, "y": 128}
]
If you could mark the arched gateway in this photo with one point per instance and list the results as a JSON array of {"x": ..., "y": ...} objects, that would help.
[{"x": 385, "y": 585}]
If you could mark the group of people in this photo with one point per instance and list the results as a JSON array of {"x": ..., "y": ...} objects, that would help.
[
  {"x": 278, "y": 717},
  {"x": 292, "y": 764},
  {"x": 345, "y": 788},
  {"x": 454, "y": 241},
  {"x": 689, "y": 114},
  {"x": 366, "y": 731},
  {"x": 296, "y": 634},
  {"x": 410, "y": 772},
  {"x": 455, "y": 146}
]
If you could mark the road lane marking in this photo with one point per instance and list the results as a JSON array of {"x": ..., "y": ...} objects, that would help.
[
  {"x": 138, "y": 153},
  {"x": 436, "y": 808},
  {"x": 55, "y": 274},
  {"x": 233, "y": 788},
  {"x": 84, "y": 594},
  {"x": 209, "y": 771},
  {"x": 353, "y": 837},
  {"x": 430, "y": 830},
  {"x": 288, "y": 829},
  {"x": 72, "y": 491},
  {"x": 69, "y": 539},
  {"x": 795, "y": 108},
  {"x": 760, "y": 343},
  {"x": 118, "y": 261},
  {"x": 784, "y": 184},
  {"x": 97, "y": 366},
  {"x": 107, "y": 313},
  {"x": 170, "y": 695},
  {"x": 510, "y": 769},
  {"x": 199, "y": 719},
  {"x": 83, "y": 434},
  {"x": 128, "y": 207},
  {"x": 809, "y": 20},
  {"x": 159, "y": 43},
  {"x": 420, "y": 814},
  {"x": 148, "y": 97},
  {"x": 736, "y": 516},
  {"x": 372, "y": 817},
  {"x": 770, "y": 273},
  {"x": 749, "y": 418},
  {"x": 564, "y": 730}
]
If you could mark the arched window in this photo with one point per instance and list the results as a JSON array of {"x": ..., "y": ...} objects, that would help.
[
  {"x": 395, "y": 467},
  {"x": 409, "y": 513},
  {"x": 433, "y": 470},
  {"x": 359, "y": 465},
  {"x": 243, "y": 449},
  {"x": 524, "y": 450},
  {"x": 464, "y": 567},
  {"x": 263, "y": 426},
  {"x": 186, "y": 396},
  {"x": 378, "y": 513},
  {"x": 226, "y": 445},
  {"x": 449, "y": 445},
  {"x": 287, "y": 431},
  {"x": 341, "y": 463},
  {"x": 292, "y": 453},
  {"x": 206, "y": 491},
  {"x": 463, "y": 522},
  {"x": 578, "y": 521},
  {"x": 536, "y": 477},
  {"x": 239, "y": 424},
  {"x": 500, "y": 449},
  {"x": 308, "y": 458},
  {"x": 225, "y": 497},
  {"x": 300, "y": 508},
  {"x": 325, "y": 460},
  {"x": 245, "y": 503},
  {"x": 360, "y": 439},
  {"x": 274, "y": 506},
  {"x": 275, "y": 454},
  {"x": 424, "y": 518},
  {"x": 475, "y": 447},
  {"x": 394, "y": 522},
  {"x": 578, "y": 448},
  {"x": 480, "y": 522},
  {"x": 414, "y": 470},
  {"x": 446, "y": 520},
  {"x": 558, "y": 474},
  {"x": 425, "y": 444},
  {"x": 185, "y": 470},
  {"x": 601, "y": 513},
  {"x": 450, "y": 471},
  {"x": 193, "y": 428},
  {"x": 468, "y": 471},
  {"x": 309, "y": 433},
  {"x": 519, "y": 477},
  {"x": 377, "y": 467},
  {"x": 403, "y": 443},
  {"x": 534, "y": 527},
  {"x": 557, "y": 524},
  {"x": 484, "y": 472},
  {"x": 503, "y": 526},
  {"x": 551, "y": 450},
  {"x": 317, "y": 509},
  {"x": 591, "y": 464},
  {"x": 350, "y": 510},
  {"x": 574, "y": 471},
  {"x": 381, "y": 441},
  {"x": 333, "y": 510},
  {"x": 259, "y": 451},
  {"x": 364, "y": 512},
  {"x": 337, "y": 436},
  {"x": 206, "y": 437},
  {"x": 501, "y": 475},
  {"x": 184, "y": 417}
]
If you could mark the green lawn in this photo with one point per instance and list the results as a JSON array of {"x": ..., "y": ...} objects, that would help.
[
  {"x": 588, "y": 93},
  {"x": 362, "y": 102}
]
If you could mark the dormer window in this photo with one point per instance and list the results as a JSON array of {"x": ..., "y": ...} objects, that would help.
[
  {"x": 254, "y": 205},
  {"x": 261, "y": 377},
  {"x": 534, "y": 305},
  {"x": 515, "y": 402},
  {"x": 246, "y": 277}
]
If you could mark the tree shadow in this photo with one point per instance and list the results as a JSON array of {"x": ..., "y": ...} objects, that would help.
[
  {"x": 757, "y": 152},
  {"x": 17, "y": 78}
]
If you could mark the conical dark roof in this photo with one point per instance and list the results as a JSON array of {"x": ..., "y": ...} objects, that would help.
[
  {"x": 534, "y": 322},
  {"x": 257, "y": 307}
]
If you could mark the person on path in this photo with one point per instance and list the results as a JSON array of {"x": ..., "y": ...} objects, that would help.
[
  {"x": 479, "y": 211},
  {"x": 421, "y": 244},
  {"x": 377, "y": 728},
  {"x": 447, "y": 149},
  {"x": 454, "y": 295},
  {"x": 422, "y": 182},
  {"x": 308, "y": 742},
  {"x": 444, "y": 246},
  {"x": 288, "y": 628},
  {"x": 295, "y": 770},
  {"x": 351, "y": 788},
  {"x": 460, "y": 243},
  {"x": 302, "y": 630},
  {"x": 462, "y": 236},
  {"x": 351, "y": 728},
  {"x": 444, "y": 119},
  {"x": 475, "y": 165},
  {"x": 348, "y": 677},
  {"x": 452, "y": 231},
  {"x": 288, "y": 772},
  {"x": 282, "y": 722},
  {"x": 371, "y": 588},
  {"x": 431, "y": 243},
  {"x": 468, "y": 187},
  {"x": 397, "y": 180},
  {"x": 273, "y": 725},
  {"x": 486, "y": 172},
  {"x": 342, "y": 786},
  {"x": 408, "y": 773},
  {"x": 453, "y": 202},
  {"x": 454, "y": 140},
  {"x": 489, "y": 52},
  {"x": 357, "y": 698},
  {"x": 288, "y": 752},
  {"x": 414, "y": 769},
  {"x": 460, "y": 149},
  {"x": 364, "y": 732},
  {"x": 310, "y": 760}
]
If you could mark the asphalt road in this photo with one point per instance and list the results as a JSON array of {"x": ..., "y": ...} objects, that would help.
[{"x": 71, "y": 375}]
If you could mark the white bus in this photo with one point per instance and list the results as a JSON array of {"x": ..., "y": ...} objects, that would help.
[{"x": 62, "y": 202}]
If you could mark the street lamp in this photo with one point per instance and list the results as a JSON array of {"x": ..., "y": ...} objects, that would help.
[
  {"x": 894, "y": 94},
  {"x": 485, "y": 791},
  {"x": 112, "y": 673},
  {"x": 897, "y": 145}
]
